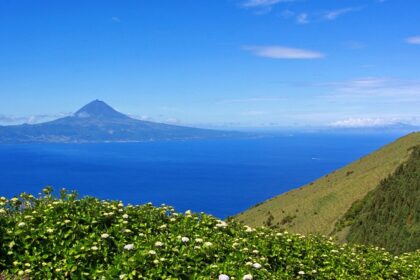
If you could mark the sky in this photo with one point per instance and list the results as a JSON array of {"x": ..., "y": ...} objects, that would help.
[{"x": 233, "y": 63}]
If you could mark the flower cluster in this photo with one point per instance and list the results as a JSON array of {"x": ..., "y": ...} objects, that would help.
[{"x": 66, "y": 237}]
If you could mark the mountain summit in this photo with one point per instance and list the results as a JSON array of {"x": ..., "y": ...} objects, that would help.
[
  {"x": 100, "y": 110},
  {"x": 98, "y": 122}
]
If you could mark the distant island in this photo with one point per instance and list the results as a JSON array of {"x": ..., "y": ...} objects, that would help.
[{"x": 97, "y": 122}]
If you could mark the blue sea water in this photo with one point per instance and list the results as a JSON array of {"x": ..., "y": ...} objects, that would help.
[{"x": 220, "y": 177}]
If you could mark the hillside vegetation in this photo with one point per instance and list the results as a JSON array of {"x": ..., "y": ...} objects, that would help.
[
  {"x": 389, "y": 216},
  {"x": 50, "y": 238},
  {"x": 316, "y": 207}
]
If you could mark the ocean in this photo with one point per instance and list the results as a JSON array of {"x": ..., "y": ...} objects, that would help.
[{"x": 220, "y": 177}]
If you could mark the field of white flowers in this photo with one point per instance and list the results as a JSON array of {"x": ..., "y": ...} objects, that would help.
[{"x": 60, "y": 238}]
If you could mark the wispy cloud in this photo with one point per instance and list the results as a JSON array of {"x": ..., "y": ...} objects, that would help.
[
  {"x": 281, "y": 52},
  {"x": 252, "y": 100},
  {"x": 413, "y": 40},
  {"x": 364, "y": 122},
  {"x": 287, "y": 14},
  {"x": 302, "y": 18},
  {"x": 14, "y": 120},
  {"x": 262, "y": 3},
  {"x": 331, "y": 15},
  {"x": 115, "y": 19},
  {"x": 354, "y": 45},
  {"x": 376, "y": 89},
  {"x": 254, "y": 113}
]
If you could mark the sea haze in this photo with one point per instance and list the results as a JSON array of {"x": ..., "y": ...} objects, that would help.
[{"x": 220, "y": 177}]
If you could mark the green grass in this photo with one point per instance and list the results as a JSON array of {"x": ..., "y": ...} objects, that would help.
[
  {"x": 320, "y": 204},
  {"x": 66, "y": 237}
]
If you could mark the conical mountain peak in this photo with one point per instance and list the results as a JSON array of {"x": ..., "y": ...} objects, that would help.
[{"x": 99, "y": 110}]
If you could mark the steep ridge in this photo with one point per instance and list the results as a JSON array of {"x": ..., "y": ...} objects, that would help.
[
  {"x": 316, "y": 207},
  {"x": 389, "y": 216}
]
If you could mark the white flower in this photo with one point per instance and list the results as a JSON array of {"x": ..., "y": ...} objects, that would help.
[
  {"x": 50, "y": 230},
  {"x": 223, "y": 277},
  {"x": 14, "y": 199},
  {"x": 122, "y": 276},
  {"x": 301, "y": 272},
  {"x": 256, "y": 265},
  {"x": 247, "y": 277},
  {"x": 152, "y": 252},
  {"x": 208, "y": 244},
  {"x": 158, "y": 244},
  {"x": 221, "y": 224},
  {"x": 248, "y": 229},
  {"x": 199, "y": 240},
  {"x": 125, "y": 216},
  {"x": 185, "y": 239},
  {"x": 129, "y": 247},
  {"x": 188, "y": 212},
  {"x": 94, "y": 248},
  {"x": 104, "y": 235},
  {"x": 21, "y": 224},
  {"x": 67, "y": 221}
]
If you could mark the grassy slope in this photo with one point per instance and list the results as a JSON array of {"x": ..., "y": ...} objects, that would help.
[{"x": 316, "y": 207}]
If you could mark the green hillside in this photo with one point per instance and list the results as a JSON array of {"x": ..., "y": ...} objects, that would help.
[
  {"x": 389, "y": 216},
  {"x": 70, "y": 238},
  {"x": 316, "y": 207}
]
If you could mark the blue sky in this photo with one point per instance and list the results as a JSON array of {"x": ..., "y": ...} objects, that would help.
[{"x": 213, "y": 62}]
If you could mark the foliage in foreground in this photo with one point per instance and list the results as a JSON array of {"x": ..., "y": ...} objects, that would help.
[{"x": 66, "y": 237}]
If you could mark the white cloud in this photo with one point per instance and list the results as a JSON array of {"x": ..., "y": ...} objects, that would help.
[
  {"x": 280, "y": 52},
  {"x": 302, "y": 18},
  {"x": 363, "y": 122},
  {"x": 331, "y": 15},
  {"x": 254, "y": 113},
  {"x": 34, "y": 119},
  {"x": 413, "y": 40},
  {"x": 262, "y": 3}
]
